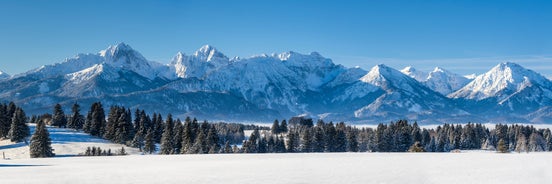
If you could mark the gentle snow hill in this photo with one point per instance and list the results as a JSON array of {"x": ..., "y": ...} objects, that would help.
[
  {"x": 320, "y": 168},
  {"x": 65, "y": 142}
]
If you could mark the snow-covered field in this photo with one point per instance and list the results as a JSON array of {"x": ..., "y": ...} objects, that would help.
[
  {"x": 465, "y": 167},
  {"x": 472, "y": 167},
  {"x": 65, "y": 142}
]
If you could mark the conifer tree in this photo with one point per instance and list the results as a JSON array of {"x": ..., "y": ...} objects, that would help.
[
  {"x": 138, "y": 140},
  {"x": 149, "y": 145},
  {"x": 213, "y": 139},
  {"x": 167, "y": 146},
  {"x": 187, "y": 137},
  {"x": 200, "y": 144},
  {"x": 97, "y": 120},
  {"x": 227, "y": 148},
  {"x": 40, "y": 145},
  {"x": 77, "y": 120},
  {"x": 275, "y": 127},
  {"x": 306, "y": 141},
  {"x": 124, "y": 129},
  {"x": 18, "y": 129},
  {"x": 5, "y": 122},
  {"x": 284, "y": 127},
  {"x": 59, "y": 118},
  {"x": 501, "y": 147},
  {"x": 177, "y": 137}
]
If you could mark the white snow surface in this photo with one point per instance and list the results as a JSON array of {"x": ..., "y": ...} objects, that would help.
[
  {"x": 65, "y": 142},
  {"x": 319, "y": 168}
]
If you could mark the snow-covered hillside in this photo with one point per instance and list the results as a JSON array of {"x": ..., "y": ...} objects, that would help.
[
  {"x": 361, "y": 168},
  {"x": 65, "y": 142}
]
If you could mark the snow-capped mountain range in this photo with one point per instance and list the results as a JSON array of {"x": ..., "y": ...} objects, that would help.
[{"x": 209, "y": 85}]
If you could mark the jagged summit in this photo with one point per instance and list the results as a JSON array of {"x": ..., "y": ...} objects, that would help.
[
  {"x": 4, "y": 75},
  {"x": 502, "y": 80},
  {"x": 416, "y": 74},
  {"x": 209, "y": 53}
]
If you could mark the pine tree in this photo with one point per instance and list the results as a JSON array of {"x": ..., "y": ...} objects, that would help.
[
  {"x": 97, "y": 120},
  {"x": 77, "y": 120},
  {"x": 149, "y": 145},
  {"x": 167, "y": 146},
  {"x": 40, "y": 145},
  {"x": 213, "y": 139},
  {"x": 158, "y": 127},
  {"x": 124, "y": 129},
  {"x": 227, "y": 148},
  {"x": 18, "y": 129},
  {"x": 306, "y": 141},
  {"x": 5, "y": 121},
  {"x": 200, "y": 144},
  {"x": 59, "y": 118},
  {"x": 416, "y": 147},
  {"x": 501, "y": 147},
  {"x": 187, "y": 137},
  {"x": 283, "y": 127},
  {"x": 275, "y": 127},
  {"x": 138, "y": 141},
  {"x": 177, "y": 137}
]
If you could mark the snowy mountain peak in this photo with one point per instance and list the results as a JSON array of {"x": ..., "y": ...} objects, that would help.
[
  {"x": 209, "y": 53},
  {"x": 501, "y": 81},
  {"x": 445, "y": 82},
  {"x": 113, "y": 49},
  {"x": 380, "y": 74},
  {"x": 3, "y": 75},
  {"x": 412, "y": 72}
]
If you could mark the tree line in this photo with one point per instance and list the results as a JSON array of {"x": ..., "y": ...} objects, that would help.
[{"x": 153, "y": 133}]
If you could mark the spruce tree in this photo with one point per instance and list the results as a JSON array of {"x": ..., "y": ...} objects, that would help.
[
  {"x": 213, "y": 139},
  {"x": 77, "y": 120},
  {"x": 501, "y": 146},
  {"x": 149, "y": 145},
  {"x": 283, "y": 126},
  {"x": 124, "y": 130},
  {"x": 40, "y": 145},
  {"x": 306, "y": 141},
  {"x": 167, "y": 145},
  {"x": 177, "y": 137},
  {"x": 59, "y": 118},
  {"x": 97, "y": 120},
  {"x": 275, "y": 127},
  {"x": 18, "y": 129},
  {"x": 4, "y": 121},
  {"x": 138, "y": 141},
  {"x": 187, "y": 137}
]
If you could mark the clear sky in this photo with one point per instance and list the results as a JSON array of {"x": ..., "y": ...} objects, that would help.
[{"x": 461, "y": 36}]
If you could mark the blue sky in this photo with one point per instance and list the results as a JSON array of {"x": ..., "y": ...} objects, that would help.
[{"x": 461, "y": 36}]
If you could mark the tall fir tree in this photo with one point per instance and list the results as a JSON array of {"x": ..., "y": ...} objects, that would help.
[
  {"x": 59, "y": 118},
  {"x": 187, "y": 137},
  {"x": 5, "y": 121},
  {"x": 167, "y": 146},
  {"x": 41, "y": 144},
  {"x": 77, "y": 120},
  {"x": 149, "y": 145},
  {"x": 275, "y": 127},
  {"x": 18, "y": 129},
  {"x": 177, "y": 136}
]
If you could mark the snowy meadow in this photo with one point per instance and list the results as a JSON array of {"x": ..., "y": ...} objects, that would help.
[{"x": 466, "y": 167}]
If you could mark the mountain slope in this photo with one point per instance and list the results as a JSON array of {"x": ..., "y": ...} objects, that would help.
[{"x": 209, "y": 85}]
